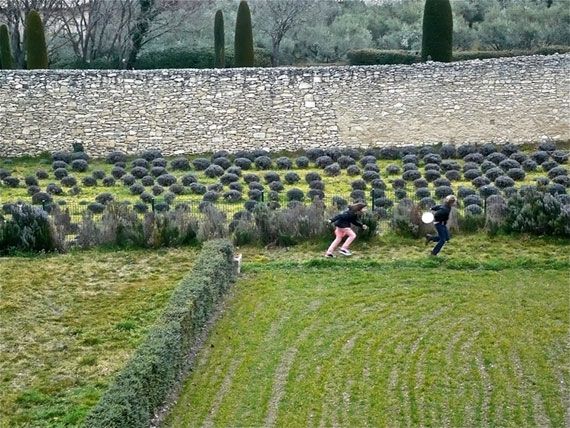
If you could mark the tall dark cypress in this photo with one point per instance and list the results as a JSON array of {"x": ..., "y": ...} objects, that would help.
[
  {"x": 243, "y": 42},
  {"x": 6, "y": 62},
  {"x": 437, "y": 38},
  {"x": 219, "y": 40},
  {"x": 35, "y": 42}
]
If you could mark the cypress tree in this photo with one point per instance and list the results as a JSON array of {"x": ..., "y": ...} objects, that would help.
[
  {"x": 437, "y": 35},
  {"x": 35, "y": 42},
  {"x": 5, "y": 52},
  {"x": 219, "y": 40},
  {"x": 243, "y": 42}
]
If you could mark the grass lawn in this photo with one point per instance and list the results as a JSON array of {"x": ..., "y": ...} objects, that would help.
[
  {"x": 69, "y": 322},
  {"x": 478, "y": 337}
]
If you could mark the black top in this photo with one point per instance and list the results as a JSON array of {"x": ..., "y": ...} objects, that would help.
[
  {"x": 345, "y": 219},
  {"x": 441, "y": 214}
]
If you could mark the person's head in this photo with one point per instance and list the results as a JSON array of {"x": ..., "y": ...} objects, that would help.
[
  {"x": 357, "y": 207},
  {"x": 449, "y": 200}
]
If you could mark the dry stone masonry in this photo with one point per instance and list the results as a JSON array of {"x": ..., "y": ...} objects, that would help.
[{"x": 195, "y": 111}]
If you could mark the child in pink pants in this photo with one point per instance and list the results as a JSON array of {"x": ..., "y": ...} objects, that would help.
[{"x": 342, "y": 223}]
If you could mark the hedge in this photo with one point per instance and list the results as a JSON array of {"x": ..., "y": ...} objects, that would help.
[{"x": 150, "y": 375}]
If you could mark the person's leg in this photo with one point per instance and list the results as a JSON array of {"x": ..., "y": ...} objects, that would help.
[
  {"x": 351, "y": 237},
  {"x": 339, "y": 235},
  {"x": 442, "y": 234}
]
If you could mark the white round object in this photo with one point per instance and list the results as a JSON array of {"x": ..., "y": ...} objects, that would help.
[{"x": 427, "y": 217}]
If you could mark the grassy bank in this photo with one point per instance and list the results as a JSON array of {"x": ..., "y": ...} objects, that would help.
[{"x": 69, "y": 322}]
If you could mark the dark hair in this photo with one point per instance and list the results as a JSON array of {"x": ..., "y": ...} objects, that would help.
[{"x": 358, "y": 206}]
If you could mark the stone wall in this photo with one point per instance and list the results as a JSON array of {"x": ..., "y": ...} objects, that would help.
[{"x": 194, "y": 111}]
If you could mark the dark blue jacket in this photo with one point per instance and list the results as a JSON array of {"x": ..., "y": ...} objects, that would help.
[
  {"x": 441, "y": 214},
  {"x": 345, "y": 219}
]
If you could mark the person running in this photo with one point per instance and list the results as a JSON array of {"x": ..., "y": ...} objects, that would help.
[
  {"x": 441, "y": 216},
  {"x": 342, "y": 222}
]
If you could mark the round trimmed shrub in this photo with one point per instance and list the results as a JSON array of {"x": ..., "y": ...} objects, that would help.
[
  {"x": 426, "y": 203},
  {"x": 358, "y": 184},
  {"x": 556, "y": 171},
  {"x": 276, "y": 186},
  {"x": 432, "y": 167},
  {"x": 480, "y": 182},
  {"x": 273, "y": 196},
  {"x": 197, "y": 188},
  {"x": 389, "y": 153},
  {"x": 104, "y": 198},
  {"x": 33, "y": 189},
  {"x": 117, "y": 172},
  {"x": 10, "y": 181},
  {"x": 556, "y": 189},
  {"x": 177, "y": 189},
  {"x": 519, "y": 157},
  {"x": 146, "y": 197},
  {"x": 250, "y": 205},
  {"x": 487, "y": 148},
  {"x": 312, "y": 176},
  {"x": 378, "y": 184},
  {"x": 128, "y": 179},
  {"x": 422, "y": 192},
  {"x": 469, "y": 166},
  {"x": 60, "y": 173},
  {"x": 409, "y": 150},
  {"x": 448, "y": 151},
  {"x": 509, "y": 164},
  {"x": 302, "y": 162},
  {"x": 383, "y": 202},
  {"x": 41, "y": 198},
  {"x": 378, "y": 193},
  {"x": 529, "y": 165},
  {"x": 368, "y": 160},
  {"x": 539, "y": 157},
  {"x": 410, "y": 159},
  {"x": 370, "y": 167},
  {"x": 315, "y": 153},
  {"x": 563, "y": 198},
  {"x": 140, "y": 162},
  {"x": 228, "y": 178},
  {"x": 166, "y": 180},
  {"x": 283, "y": 162},
  {"x": 509, "y": 149},
  {"x": 332, "y": 170},
  {"x": 333, "y": 152},
  {"x": 443, "y": 191},
  {"x": 370, "y": 175},
  {"x": 220, "y": 154},
  {"x": 61, "y": 156},
  {"x": 471, "y": 174},
  {"x": 271, "y": 176},
  {"x": 400, "y": 194},
  {"x": 496, "y": 158},
  {"x": 324, "y": 161},
  {"x": 353, "y": 170},
  {"x": 151, "y": 154},
  {"x": 214, "y": 171},
  {"x": 351, "y": 153},
  {"x": 564, "y": 180},
  {"x": 96, "y": 207},
  {"x": 147, "y": 181},
  {"x": 453, "y": 175},
  {"x": 339, "y": 202},
  {"x": 108, "y": 181},
  {"x": 410, "y": 167},
  {"x": 295, "y": 194},
  {"x": 157, "y": 190},
  {"x": 263, "y": 162},
  {"x": 31, "y": 180},
  {"x": 139, "y": 171},
  {"x": 493, "y": 173},
  {"x": 450, "y": 165},
  {"x": 488, "y": 190},
  {"x": 466, "y": 149},
  {"x": 79, "y": 165},
  {"x": 474, "y": 157},
  {"x": 136, "y": 189},
  {"x": 251, "y": 178},
  {"x": 411, "y": 175},
  {"x": 236, "y": 186},
  {"x": 255, "y": 194},
  {"x": 140, "y": 207},
  {"x": 317, "y": 185},
  {"x": 200, "y": 164},
  {"x": 426, "y": 150},
  {"x": 75, "y": 190},
  {"x": 420, "y": 182},
  {"x": 548, "y": 165},
  {"x": 399, "y": 183},
  {"x": 357, "y": 195},
  {"x": 516, "y": 174},
  {"x": 509, "y": 191},
  {"x": 393, "y": 169},
  {"x": 256, "y": 185},
  {"x": 487, "y": 165},
  {"x": 442, "y": 181},
  {"x": 121, "y": 165},
  {"x": 161, "y": 207},
  {"x": 233, "y": 196},
  {"x": 98, "y": 174},
  {"x": 560, "y": 156},
  {"x": 472, "y": 200},
  {"x": 431, "y": 175},
  {"x": 345, "y": 161},
  {"x": 542, "y": 181},
  {"x": 116, "y": 156},
  {"x": 180, "y": 164},
  {"x": 292, "y": 177},
  {"x": 59, "y": 164},
  {"x": 169, "y": 197},
  {"x": 463, "y": 192},
  {"x": 89, "y": 181},
  {"x": 243, "y": 163},
  {"x": 234, "y": 170},
  {"x": 225, "y": 163},
  {"x": 216, "y": 187},
  {"x": 547, "y": 146},
  {"x": 504, "y": 181},
  {"x": 41, "y": 174},
  {"x": 474, "y": 209},
  {"x": 432, "y": 158}
]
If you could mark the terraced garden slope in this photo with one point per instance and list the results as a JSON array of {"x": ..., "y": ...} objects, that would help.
[{"x": 390, "y": 337}]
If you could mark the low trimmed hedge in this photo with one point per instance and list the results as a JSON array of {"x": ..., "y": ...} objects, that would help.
[{"x": 149, "y": 376}]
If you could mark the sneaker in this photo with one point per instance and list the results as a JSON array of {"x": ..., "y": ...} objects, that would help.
[
  {"x": 329, "y": 255},
  {"x": 345, "y": 252}
]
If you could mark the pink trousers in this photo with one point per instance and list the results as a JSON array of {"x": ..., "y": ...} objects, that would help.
[{"x": 340, "y": 233}]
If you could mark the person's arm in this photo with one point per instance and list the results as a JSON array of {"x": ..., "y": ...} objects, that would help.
[
  {"x": 354, "y": 220},
  {"x": 436, "y": 208},
  {"x": 335, "y": 218}
]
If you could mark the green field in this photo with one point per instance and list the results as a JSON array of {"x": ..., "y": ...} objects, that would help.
[
  {"x": 478, "y": 337},
  {"x": 70, "y": 322}
]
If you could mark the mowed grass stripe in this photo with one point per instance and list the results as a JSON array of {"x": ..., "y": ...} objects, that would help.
[{"x": 310, "y": 347}]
